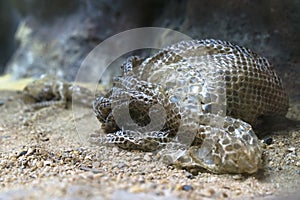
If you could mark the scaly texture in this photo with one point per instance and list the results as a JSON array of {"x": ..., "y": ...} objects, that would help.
[
  {"x": 50, "y": 90},
  {"x": 194, "y": 102}
]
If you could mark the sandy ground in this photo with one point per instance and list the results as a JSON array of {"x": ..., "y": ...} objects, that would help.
[{"x": 44, "y": 154}]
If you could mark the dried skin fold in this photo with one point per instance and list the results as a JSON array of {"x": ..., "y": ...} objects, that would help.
[{"x": 208, "y": 92}]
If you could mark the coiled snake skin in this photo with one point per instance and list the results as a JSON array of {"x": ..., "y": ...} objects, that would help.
[{"x": 193, "y": 102}]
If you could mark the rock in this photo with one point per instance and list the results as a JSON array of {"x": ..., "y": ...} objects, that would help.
[
  {"x": 2, "y": 102},
  {"x": 147, "y": 157},
  {"x": 268, "y": 141},
  {"x": 96, "y": 164},
  {"x": 187, "y": 187},
  {"x": 55, "y": 36}
]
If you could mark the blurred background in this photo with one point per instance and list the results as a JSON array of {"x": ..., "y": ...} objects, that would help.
[{"x": 40, "y": 36}]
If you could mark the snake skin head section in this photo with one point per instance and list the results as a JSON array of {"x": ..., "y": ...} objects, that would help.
[
  {"x": 221, "y": 145},
  {"x": 229, "y": 154}
]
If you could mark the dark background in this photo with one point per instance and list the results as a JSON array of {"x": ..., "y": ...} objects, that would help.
[{"x": 40, "y": 36}]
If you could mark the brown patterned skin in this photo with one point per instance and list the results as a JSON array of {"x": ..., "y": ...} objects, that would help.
[
  {"x": 49, "y": 90},
  {"x": 193, "y": 102}
]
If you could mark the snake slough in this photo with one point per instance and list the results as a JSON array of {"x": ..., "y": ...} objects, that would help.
[{"x": 194, "y": 102}]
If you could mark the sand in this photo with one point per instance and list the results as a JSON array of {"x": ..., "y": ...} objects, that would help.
[{"x": 44, "y": 154}]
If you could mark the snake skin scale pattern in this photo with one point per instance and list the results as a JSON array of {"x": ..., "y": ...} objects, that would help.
[{"x": 194, "y": 103}]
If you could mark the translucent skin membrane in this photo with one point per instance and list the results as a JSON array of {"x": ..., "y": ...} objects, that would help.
[{"x": 193, "y": 102}]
